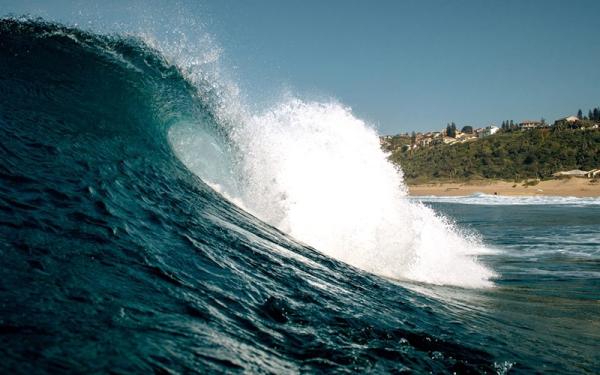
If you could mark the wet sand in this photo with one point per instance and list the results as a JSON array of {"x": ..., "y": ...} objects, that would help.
[{"x": 574, "y": 187}]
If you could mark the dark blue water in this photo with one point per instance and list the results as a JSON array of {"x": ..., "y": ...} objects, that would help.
[
  {"x": 547, "y": 300},
  {"x": 115, "y": 258}
]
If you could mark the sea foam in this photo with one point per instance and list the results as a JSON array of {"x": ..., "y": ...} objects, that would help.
[
  {"x": 317, "y": 172},
  {"x": 503, "y": 200}
]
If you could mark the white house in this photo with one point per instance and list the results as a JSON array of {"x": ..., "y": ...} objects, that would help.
[
  {"x": 571, "y": 173},
  {"x": 489, "y": 130},
  {"x": 572, "y": 119},
  {"x": 569, "y": 119},
  {"x": 527, "y": 124}
]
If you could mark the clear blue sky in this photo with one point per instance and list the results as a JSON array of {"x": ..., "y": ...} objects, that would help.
[{"x": 402, "y": 65}]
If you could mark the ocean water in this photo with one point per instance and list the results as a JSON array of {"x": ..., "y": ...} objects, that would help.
[{"x": 151, "y": 222}]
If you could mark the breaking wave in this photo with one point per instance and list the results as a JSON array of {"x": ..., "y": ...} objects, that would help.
[{"x": 112, "y": 247}]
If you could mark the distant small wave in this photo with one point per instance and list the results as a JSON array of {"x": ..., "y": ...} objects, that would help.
[{"x": 488, "y": 199}]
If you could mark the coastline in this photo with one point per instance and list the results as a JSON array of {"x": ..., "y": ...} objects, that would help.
[{"x": 570, "y": 187}]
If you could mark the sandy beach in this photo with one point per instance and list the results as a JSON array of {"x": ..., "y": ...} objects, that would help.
[{"x": 575, "y": 187}]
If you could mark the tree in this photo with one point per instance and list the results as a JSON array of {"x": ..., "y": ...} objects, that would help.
[
  {"x": 451, "y": 130},
  {"x": 413, "y": 138},
  {"x": 467, "y": 129},
  {"x": 590, "y": 115},
  {"x": 543, "y": 121},
  {"x": 596, "y": 114},
  {"x": 512, "y": 124},
  {"x": 579, "y": 114}
]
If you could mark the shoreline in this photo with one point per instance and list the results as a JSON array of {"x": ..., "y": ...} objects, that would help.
[{"x": 569, "y": 187}]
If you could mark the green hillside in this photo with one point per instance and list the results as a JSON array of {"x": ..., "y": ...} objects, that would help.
[{"x": 513, "y": 155}]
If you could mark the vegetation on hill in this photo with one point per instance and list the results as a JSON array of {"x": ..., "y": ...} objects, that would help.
[{"x": 508, "y": 155}]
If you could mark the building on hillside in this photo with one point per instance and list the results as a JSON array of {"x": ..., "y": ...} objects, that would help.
[
  {"x": 571, "y": 173},
  {"x": 527, "y": 124},
  {"x": 594, "y": 173},
  {"x": 424, "y": 142},
  {"x": 385, "y": 140},
  {"x": 570, "y": 119},
  {"x": 489, "y": 130},
  {"x": 464, "y": 137},
  {"x": 572, "y": 122}
]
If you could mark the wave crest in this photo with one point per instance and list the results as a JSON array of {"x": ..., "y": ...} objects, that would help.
[{"x": 317, "y": 172}]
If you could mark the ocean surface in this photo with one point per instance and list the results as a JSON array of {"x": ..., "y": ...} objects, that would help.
[{"x": 151, "y": 223}]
